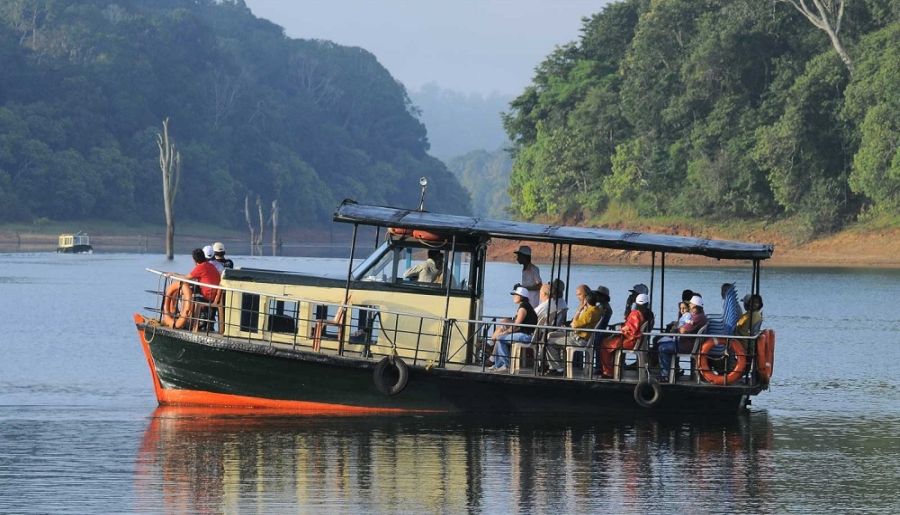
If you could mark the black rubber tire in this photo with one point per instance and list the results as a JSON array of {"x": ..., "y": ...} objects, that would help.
[
  {"x": 642, "y": 399},
  {"x": 391, "y": 375}
]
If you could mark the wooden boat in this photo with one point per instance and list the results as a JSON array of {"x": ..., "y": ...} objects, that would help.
[
  {"x": 374, "y": 342},
  {"x": 78, "y": 243}
]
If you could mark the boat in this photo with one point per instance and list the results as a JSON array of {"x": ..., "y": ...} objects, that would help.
[
  {"x": 78, "y": 243},
  {"x": 372, "y": 341}
]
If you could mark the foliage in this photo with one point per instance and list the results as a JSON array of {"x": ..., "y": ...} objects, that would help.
[
  {"x": 736, "y": 109},
  {"x": 485, "y": 175},
  {"x": 86, "y": 83}
]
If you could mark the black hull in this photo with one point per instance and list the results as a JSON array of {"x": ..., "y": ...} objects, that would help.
[
  {"x": 77, "y": 249},
  {"x": 212, "y": 370}
]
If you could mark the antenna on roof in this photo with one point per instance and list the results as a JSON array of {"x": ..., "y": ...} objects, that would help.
[{"x": 423, "y": 182}]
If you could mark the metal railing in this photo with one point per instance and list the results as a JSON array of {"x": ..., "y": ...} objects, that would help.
[{"x": 372, "y": 332}]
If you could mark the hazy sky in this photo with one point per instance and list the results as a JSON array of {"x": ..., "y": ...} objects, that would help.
[{"x": 471, "y": 46}]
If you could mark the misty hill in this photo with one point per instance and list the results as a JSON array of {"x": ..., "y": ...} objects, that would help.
[
  {"x": 486, "y": 176},
  {"x": 86, "y": 84},
  {"x": 458, "y": 123}
]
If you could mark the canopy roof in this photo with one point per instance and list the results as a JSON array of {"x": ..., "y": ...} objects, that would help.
[{"x": 351, "y": 212}]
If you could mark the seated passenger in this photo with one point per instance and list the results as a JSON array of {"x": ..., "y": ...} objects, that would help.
[
  {"x": 505, "y": 335},
  {"x": 752, "y": 317},
  {"x": 552, "y": 301},
  {"x": 668, "y": 346},
  {"x": 631, "y": 334},
  {"x": 203, "y": 272},
  {"x": 428, "y": 271},
  {"x": 586, "y": 317}
]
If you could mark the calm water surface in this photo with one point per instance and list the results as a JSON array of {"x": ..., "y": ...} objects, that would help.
[{"x": 80, "y": 430}]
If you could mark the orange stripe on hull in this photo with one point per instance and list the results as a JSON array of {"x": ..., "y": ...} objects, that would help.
[{"x": 201, "y": 398}]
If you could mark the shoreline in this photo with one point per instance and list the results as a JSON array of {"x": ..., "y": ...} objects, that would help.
[{"x": 847, "y": 249}]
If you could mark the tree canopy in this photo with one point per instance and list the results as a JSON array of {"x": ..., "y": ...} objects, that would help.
[
  {"x": 714, "y": 110},
  {"x": 86, "y": 84}
]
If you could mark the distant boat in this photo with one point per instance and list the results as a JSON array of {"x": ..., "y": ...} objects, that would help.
[{"x": 78, "y": 243}]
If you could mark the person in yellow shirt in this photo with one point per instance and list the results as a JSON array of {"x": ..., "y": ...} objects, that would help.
[{"x": 586, "y": 317}]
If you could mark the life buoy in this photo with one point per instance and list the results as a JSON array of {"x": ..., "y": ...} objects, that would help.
[
  {"x": 734, "y": 349},
  {"x": 391, "y": 375},
  {"x": 765, "y": 355},
  {"x": 400, "y": 231},
  {"x": 170, "y": 307},
  {"x": 647, "y": 393},
  {"x": 427, "y": 236}
]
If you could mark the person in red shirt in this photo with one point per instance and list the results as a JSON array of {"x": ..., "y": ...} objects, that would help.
[
  {"x": 203, "y": 272},
  {"x": 631, "y": 334}
]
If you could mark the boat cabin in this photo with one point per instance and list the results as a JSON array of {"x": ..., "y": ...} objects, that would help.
[{"x": 74, "y": 243}]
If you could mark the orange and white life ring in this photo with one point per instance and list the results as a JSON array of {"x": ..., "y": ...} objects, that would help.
[
  {"x": 765, "y": 355},
  {"x": 170, "y": 307},
  {"x": 733, "y": 348},
  {"x": 400, "y": 231},
  {"x": 427, "y": 236}
]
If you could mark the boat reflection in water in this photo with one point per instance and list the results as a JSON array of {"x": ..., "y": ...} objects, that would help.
[{"x": 215, "y": 459}]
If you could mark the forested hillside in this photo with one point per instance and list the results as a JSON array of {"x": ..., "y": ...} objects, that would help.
[
  {"x": 85, "y": 85},
  {"x": 486, "y": 176},
  {"x": 716, "y": 110}
]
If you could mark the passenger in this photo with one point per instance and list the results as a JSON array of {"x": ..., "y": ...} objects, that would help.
[
  {"x": 428, "y": 271},
  {"x": 219, "y": 255},
  {"x": 551, "y": 301},
  {"x": 531, "y": 275},
  {"x": 210, "y": 256},
  {"x": 667, "y": 346},
  {"x": 752, "y": 318},
  {"x": 512, "y": 333},
  {"x": 602, "y": 293},
  {"x": 631, "y": 334},
  {"x": 203, "y": 272},
  {"x": 636, "y": 290},
  {"x": 586, "y": 317}
]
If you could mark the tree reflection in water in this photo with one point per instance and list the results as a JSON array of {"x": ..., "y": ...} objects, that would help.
[{"x": 214, "y": 460}]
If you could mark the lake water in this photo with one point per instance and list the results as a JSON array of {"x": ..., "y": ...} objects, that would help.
[{"x": 80, "y": 430}]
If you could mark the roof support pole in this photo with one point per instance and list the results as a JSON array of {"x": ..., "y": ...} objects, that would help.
[
  {"x": 347, "y": 288},
  {"x": 662, "y": 290}
]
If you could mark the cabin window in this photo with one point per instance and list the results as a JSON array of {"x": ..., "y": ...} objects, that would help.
[
  {"x": 282, "y": 316},
  {"x": 365, "y": 325},
  {"x": 249, "y": 312}
]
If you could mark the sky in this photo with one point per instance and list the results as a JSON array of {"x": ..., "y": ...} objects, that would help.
[{"x": 470, "y": 46}]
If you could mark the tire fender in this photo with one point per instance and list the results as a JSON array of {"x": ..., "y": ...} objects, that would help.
[
  {"x": 391, "y": 375},
  {"x": 647, "y": 393}
]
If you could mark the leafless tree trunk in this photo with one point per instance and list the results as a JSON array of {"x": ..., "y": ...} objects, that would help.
[
  {"x": 249, "y": 222},
  {"x": 826, "y": 15},
  {"x": 170, "y": 166},
  {"x": 273, "y": 219},
  {"x": 262, "y": 224}
]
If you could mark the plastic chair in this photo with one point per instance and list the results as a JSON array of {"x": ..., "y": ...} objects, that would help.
[
  {"x": 517, "y": 351},
  {"x": 587, "y": 352},
  {"x": 639, "y": 351},
  {"x": 676, "y": 359}
]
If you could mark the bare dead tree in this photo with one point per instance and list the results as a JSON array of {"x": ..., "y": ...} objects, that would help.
[
  {"x": 273, "y": 219},
  {"x": 262, "y": 225},
  {"x": 826, "y": 15},
  {"x": 249, "y": 222},
  {"x": 170, "y": 166}
]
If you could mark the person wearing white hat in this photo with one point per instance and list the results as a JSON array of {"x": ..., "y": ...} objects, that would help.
[
  {"x": 631, "y": 333},
  {"x": 507, "y": 334},
  {"x": 668, "y": 346},
  {"x": 219, "y": 255},
  {"x": 208, "y": 252},
  {"x": 531, "y": 275}
]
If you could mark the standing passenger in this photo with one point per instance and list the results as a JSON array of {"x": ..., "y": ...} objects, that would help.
[
  {"x": 219, "y": 255},
  {"x": 531, "y": 275}
]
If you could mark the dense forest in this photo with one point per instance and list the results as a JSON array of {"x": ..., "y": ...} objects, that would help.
[
  {"x": 716, "y": 110},
  {"x": 86, "y": 84}
]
